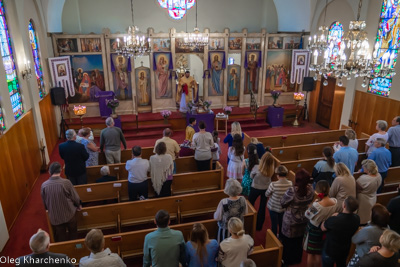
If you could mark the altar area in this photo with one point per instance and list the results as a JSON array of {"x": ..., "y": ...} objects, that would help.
[{"x": 233, "y": 65}]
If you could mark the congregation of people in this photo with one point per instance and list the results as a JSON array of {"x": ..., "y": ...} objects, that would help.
[{"x": 320, "y": 213}]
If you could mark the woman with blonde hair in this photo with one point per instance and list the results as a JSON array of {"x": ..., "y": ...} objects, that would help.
[
  {"x": 236, "y": 248},
  {"x": 343, "y": 185},
  {"x": 235, "y": 129},
  {"x": 260, "y": 146},
  {"x": 201, "y": 251},
  {"x": 385, "y": 255},
  {"x": 261, "y": 175},
  {"x": 351, "y": 134},
  {"x": 367, "y": 185}
]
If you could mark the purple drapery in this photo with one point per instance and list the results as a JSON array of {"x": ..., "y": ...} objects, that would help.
[
  {"x": 128, "y": 68},
  {"x": 221, "y": 54},
  {"x": 168, "y": 55},
  {"x": 206, "y": 74},
  {"x": 259, "y": 59}
]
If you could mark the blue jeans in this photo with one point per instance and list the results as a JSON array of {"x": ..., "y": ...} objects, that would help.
[
  {"x": 254, "y": 193},
  {"x": 328, "y": 261},
  {"x": 383, "y": 175},
  {"x": 276, "y": 219}
]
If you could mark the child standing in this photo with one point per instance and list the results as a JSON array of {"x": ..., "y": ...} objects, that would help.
[
  {"x": 216, "y": 150},
  {"x": 275, "y": 192},
  {"x": 236, "y": 158},
  {"x": 317, "y": 213},
  {"x": 249, "y": 163}
]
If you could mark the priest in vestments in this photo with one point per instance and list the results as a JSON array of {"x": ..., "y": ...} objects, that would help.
[{"x": 187, "y": 91}]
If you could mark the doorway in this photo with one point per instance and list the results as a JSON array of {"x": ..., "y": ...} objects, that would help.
[{"x": 325, "y": 102}]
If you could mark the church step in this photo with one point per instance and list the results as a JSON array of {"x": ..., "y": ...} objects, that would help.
[
  {"x": 133, "y": 135},
  {"x": 151, "y": 127}
]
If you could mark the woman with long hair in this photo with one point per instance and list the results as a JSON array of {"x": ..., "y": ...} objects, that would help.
[
  {"x": 366, "y": 187},
  {"x": 236, "y": 248},
  {"x": 235, "y": 129},
  {"x": 236, "y": 158},
  {"x": 261, "y": 175},
  {"x": 344, "y": 184},
  {"x": 323, "y": 169},
  {"x": 200, "y": 250},
  {"x": 249, "y": 163},
  {"x": 296, "y": 201}
]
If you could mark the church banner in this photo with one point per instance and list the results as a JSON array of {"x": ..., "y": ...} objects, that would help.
[
  {"x": 61, "y": 74},
  {"x": 300, "y": 64}
]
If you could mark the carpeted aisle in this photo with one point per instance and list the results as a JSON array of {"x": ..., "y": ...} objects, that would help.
[{"x": 33, "y": 216}]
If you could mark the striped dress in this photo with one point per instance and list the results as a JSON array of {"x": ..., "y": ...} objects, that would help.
[{"x": 275, "y": 191}]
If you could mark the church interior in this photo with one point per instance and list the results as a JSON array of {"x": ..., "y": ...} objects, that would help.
[{"x": 295, "y": 74}]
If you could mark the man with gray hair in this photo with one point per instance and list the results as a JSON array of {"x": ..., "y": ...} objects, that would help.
[
  {"x": 105, "y": 172},
  {"x": 75, "y": 157},
  {"x": 173, "y": 147},
  {"x": 110, "y": 140},
  {"x": 394, "y": 141},
  {"x": 383, "y": 159},
  {"x": 248, "y": 263},
  {"x": 39, "y": 244}
]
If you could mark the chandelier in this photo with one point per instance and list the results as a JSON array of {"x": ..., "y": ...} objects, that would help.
[
  {"x": 196, "y": 38},
  {"x": 133, "y": 44},
  {"x": 347, "y": 57}
]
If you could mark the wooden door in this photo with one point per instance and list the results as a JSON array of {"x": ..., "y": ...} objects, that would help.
[{"x": 325, "y": 102}]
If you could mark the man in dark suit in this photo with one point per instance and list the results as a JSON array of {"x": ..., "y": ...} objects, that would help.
[
  {"x": 41, "y": 256},
  {"x": 75, "y": 157}
]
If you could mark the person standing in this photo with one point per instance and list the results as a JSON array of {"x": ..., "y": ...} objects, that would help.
[
  {"x": 172, "y": 146},
  {"x": 164, "y": 247},
  {"x": 343, "y": 185},
  {"x": 110, "y": 140},
  {"x": 381, "y": 127},
  {"x": 62, "y": 202},
  {"x": 249, "y": 163},
  {"x": 346, "y": 154},
  {"x": 137, "y": 177},
  {"x": 90, "y": 147},
  {"x": 75, "y": 157},
  {"x": 394, "y": 209},
  {"x": 236, "y": 158},
  {"x": 383, "y": 159},
  {"x": 161, "y": 167},
  {"x": 202, "y": 143},
  {"x": 339, "y": 230},
  {"x": 323, "y": 169},
  {"x": 190, "y": 129},
  {"x": 394, "y": 141}
]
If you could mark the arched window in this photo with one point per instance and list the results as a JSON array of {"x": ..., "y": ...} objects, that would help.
[
  {"x": 9, "y": 65},
  {"x": 386, "y": 46},
  {"x": 335, "y": 38},
  {"x": 2, "y": 125},
  {"x": 36, "y": 59},
  {"x": 176, "y": 8}
]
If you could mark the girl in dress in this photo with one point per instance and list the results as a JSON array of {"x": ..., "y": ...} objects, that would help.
[
  {"x": 249, "y": 163},
  {"x": 236, "y": 158},
  {"x": 216, "y": 150},
  {"x": 317, "y": 213}
]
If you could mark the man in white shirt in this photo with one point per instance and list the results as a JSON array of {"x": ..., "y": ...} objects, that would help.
[
  {"x": 137, "y": 178},
  {"x": 173, "y": 147}
]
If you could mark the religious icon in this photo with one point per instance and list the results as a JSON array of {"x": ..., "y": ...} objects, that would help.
[
  {"x": 253, "y": 43},
  {"x": 275, "y": 42},
  {"x": 216, "y": 74},
  {"x": 66, "y": 45},
  {"x": 163, "y": 89},
  {"x": 300, "y": 60},
  {"x": 278, "y": 66},
  {"x": 143, "y": 85},
  {"x": 217, "y": 44},
  {"x": 161, "y": 45},
  {"x": 90, "y": 45},
  {"x": 235, "y": 43},
  {"x": 291, "y": 42},
  {"x": 122, "y": 81},
  {"x": 61, "y": 70},
  {"x": 252, "y": 73},
  {"x": 234, "y": 82}
]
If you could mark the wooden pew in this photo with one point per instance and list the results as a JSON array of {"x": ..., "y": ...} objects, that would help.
[
  {"x": 127, "y": 155},
  {"x": 384, "y": 198},
  {"x": 183, "y": 165},
  {"x": 182, "y": 184},
  {"x": 271, "y": 255},
  {"x": 130, "y": 244},
  {"x": 300, "y": 152}
]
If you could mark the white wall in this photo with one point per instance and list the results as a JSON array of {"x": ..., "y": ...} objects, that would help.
[{"x": 94, "y": 15}]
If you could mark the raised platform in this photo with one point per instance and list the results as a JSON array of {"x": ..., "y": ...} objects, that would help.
[{"x": 151, "y": 124}]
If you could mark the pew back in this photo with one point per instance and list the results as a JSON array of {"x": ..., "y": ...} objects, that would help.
[
  {"x": 127, "y": 155},
  {"x": 271, "y": 255},
  {"x": 384, "y": 198}
]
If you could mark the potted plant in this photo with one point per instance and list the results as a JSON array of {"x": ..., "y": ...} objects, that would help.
[
  {"x": 275, "y": 95},
  {"x": 207, "y": 104},
  {"x": 166, "y": 114},
  {"x": 227, "y": 110},
  {"x": 113, "y": 104}
]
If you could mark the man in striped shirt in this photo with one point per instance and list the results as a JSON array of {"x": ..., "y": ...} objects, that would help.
[{"x": 61, "y": 201}]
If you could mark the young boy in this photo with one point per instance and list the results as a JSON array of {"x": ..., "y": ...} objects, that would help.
[{"x": 190, "y": 129}]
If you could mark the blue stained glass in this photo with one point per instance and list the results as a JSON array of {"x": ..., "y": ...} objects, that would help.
[{"x": 36, "y": 59}]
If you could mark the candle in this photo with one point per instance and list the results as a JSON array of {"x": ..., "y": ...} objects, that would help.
[
  {"x": 315, "y": 57},
  {"x": 315, "y": 38},
  {"x": 117, "y": 42}
]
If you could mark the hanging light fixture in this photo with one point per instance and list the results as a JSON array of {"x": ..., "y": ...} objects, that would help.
[
  {"x": 196, "y": 38},
  {"x": 352, "y": 59},
  {"x": 133, "y": 45}
]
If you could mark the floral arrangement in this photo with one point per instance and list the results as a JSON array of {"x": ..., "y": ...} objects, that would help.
[
  {"x": 166, "y": 113},
  {"x": 275, "y": 95},
  {"x": 190, "y": 105},
  {"x": 227, "y": 110},
  {"x": 112, "y": 103},
  {"x": 207, "y": 103}
]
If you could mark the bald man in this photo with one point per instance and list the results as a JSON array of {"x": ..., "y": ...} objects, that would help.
[
  {"x": 172, "y": 146},
  {"x": 39, "y": 244}
]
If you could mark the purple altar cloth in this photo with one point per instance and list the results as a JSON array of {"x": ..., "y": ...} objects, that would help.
[
  {"x": 103, "y": 96},
  {"x": 206, "y": 117}
]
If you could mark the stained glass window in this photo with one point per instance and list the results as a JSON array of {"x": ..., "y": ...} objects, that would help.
[
  {"x": 335, "y": 39},
  {"x": 387, "y": 45},
  {"x": 9, "y": 65},
  {"x": 2, "y": 124},
  {"x": 36, "y": 59},
  {"x": 176, "y": 8}
]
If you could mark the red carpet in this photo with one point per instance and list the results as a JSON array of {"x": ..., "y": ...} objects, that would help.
[{"x": 33, "y": 215}]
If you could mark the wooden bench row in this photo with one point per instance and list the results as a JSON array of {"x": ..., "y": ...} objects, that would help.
[
  {"x": 181, "y": 184},
  {"x": 130, "y": 244},
  {"x": 183, "y": 165},
  {"x": 126, "y": 155}
]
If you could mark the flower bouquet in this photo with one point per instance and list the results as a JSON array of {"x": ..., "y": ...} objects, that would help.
[
  {"x": 227, "y": 110},
  {"x": 166, "y": 113},
  {"x": 113, "y": 104},
  {"x": 275, "y": 95},
  {"x": 207, "y": 104}
]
